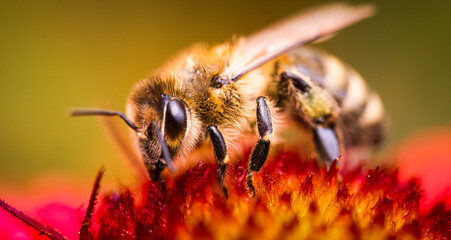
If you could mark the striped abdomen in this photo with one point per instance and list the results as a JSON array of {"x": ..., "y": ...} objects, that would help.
[{"x": 360, "y": 110}]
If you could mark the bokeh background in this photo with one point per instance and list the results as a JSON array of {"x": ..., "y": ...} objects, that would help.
[{"x": 55, "y": 55}]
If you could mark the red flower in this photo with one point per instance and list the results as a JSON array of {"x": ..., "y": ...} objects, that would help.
[
  {"x": 295, "y": 198},
  {"x": 427, "y": 156}
]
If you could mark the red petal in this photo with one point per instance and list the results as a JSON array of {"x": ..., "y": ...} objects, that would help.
[{"x": 427, "y": 155}]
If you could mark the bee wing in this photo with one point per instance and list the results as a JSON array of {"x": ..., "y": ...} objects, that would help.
[{"x": 307, "y": 26}]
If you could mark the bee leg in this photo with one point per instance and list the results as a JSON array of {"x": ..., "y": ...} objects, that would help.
[
  {"x": 326, "y": 144},
  {"x": 261, "y": 149},
  {"x": 220, "y": 150},
  {"x": 326, "y": 137}
]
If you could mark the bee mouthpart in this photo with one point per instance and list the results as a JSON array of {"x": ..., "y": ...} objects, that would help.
[{"x": 165, "y": 154}]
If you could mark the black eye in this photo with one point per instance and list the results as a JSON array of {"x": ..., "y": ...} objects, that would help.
[{"x": 175, "y": 121}]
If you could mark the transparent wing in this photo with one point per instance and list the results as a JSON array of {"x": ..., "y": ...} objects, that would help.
[{"x": 283, "y": 36}]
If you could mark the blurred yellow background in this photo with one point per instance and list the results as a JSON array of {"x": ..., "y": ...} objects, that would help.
[{"x": 55, "y": 55}]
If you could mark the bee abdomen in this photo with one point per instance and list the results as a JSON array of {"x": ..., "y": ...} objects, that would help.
[
  {"x": 361, "y": 113},
  {"x": 358, "y": 99},
  {"x": 346, "y": 85}
]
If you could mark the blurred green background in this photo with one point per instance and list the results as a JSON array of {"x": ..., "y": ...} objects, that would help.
[{"x": 55, "y": 55}]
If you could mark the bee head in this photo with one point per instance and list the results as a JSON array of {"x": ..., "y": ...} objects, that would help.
[
  {"x": 161, "y": 121},
  {"x": 168, "y": 118},
  {"x": 166, "y": 123}
]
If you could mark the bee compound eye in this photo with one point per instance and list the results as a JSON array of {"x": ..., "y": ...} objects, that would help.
[{"x": 175, "y": 121}]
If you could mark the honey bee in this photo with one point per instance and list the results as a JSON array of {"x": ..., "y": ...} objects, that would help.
[{"x": 220, "y": 92}]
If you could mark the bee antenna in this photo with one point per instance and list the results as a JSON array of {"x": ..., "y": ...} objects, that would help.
[
  {"x": 164, "y": 147},
  {"x": 103, "y": 112}
]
